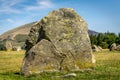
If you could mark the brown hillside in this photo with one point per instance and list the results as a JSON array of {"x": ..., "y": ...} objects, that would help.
[{"x": 24, "y": 29}]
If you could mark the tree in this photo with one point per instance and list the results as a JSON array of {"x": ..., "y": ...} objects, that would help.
[
  {"x": 105, "y": 40},
  {"x": 100, "y": 38},
  {"x": 93, "y": 39},
  {"x": 117, "y": 41},
  {"x": 104, "y": 45},
  {"x": 111, "y": 38}
]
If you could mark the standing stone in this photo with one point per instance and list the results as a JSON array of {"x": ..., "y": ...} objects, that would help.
[
  {"x": 113, "y": 47},
  {"x": 3, "y": 47},
  {"x": 100, "y": 48},
  {"x": 16, "y": 48},
  {"x": 118, "y": 48},
  {"x": 96, "y": 48},
  {"x": 8, "y": 45},
  {"x": 59, "y": 42}
]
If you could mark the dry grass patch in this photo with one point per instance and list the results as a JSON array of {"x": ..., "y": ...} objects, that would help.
[
  {"x": 107, "y": 68},
  {"x": 10, "y": 61}
]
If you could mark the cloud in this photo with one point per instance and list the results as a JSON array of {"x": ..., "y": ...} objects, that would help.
[
  {"x": 8, "y": 10},
  {"x": 8, "y": 6},
  {"x": 10, "y": 20},
  {"x": 11, "y": 6},
  {"x": 40, "y": 4}
]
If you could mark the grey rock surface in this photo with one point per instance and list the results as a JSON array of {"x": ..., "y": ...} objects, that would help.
[{"x": 59, "y": 42}]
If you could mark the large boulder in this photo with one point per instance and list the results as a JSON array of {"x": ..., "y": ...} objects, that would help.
[{"x": 59, "y": 42}]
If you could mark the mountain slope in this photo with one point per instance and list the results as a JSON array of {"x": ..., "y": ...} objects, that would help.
[
  {"x": 19, "y": 35},
  {"x": 24, "y": 29},
  {"x": 91, "y": 32}
]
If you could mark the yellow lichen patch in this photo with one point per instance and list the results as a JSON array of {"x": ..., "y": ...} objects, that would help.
[
  {"x": 83, "y": 65},
  {"x": 48, "y": 67},
  {"x": 44, "y": 20}
]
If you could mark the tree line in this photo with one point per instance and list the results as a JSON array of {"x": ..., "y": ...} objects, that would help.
[{"x": 105, "y": 40}]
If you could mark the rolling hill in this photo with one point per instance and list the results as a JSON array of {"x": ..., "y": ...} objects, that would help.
[
  {"x": 23, "y": 30},
  {"x": 19, "y": 34}
]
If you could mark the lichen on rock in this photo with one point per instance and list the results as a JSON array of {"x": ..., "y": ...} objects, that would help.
[{"x": 59, "y": 42}]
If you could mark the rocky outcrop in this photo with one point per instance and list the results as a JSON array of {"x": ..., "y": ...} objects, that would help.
[{"x": 59, "y": 42}]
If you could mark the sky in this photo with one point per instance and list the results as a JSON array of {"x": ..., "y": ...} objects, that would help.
[{"x": 101, "y": 15}]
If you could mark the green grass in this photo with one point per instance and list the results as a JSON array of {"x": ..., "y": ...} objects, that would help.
[{"x": 107, "y": 68}]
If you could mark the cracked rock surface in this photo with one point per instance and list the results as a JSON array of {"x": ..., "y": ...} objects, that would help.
[{"x": 59, "y": 42}]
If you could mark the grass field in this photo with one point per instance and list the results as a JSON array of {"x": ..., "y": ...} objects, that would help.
[{"x": 107, "y": 68}]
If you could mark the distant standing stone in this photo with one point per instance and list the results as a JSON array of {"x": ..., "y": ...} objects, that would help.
[
  {"x": 118, "y": 48},
  {"x": 96, "y": 48},
  {"x": 113, "y": 47}
]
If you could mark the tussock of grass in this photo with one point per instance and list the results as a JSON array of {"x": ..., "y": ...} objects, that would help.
[{"x": 107, "y": 68}]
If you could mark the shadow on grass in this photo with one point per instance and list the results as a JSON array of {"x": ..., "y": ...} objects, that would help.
[{"x": 17, "y": 73}]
